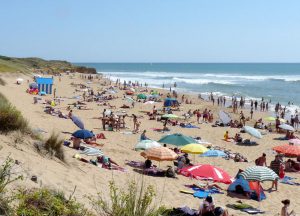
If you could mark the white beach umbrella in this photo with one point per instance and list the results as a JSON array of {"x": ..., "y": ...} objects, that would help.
[
  {"x": 287, "y": 127},
  {"x": 20, "y": 80}
]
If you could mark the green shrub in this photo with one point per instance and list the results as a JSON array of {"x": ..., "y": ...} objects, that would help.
[
  {"x": 54, "y": 146},
  {"x": 40, "y": 202},
  {"x": 10, "y": 118},
  {"x": 133, "y": 201},
  {"x": 6, "y": 177}
]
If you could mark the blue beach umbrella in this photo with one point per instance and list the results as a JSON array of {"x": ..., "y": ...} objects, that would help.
[
  {"x": 77, "y": 121},
  {"x": 83, "y": 134},
  {"x": 253, "y": 132},
  {"x": 213, "y": 153}
]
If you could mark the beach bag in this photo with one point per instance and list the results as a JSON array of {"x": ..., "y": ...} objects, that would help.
[{"x": 281, "y": 172}]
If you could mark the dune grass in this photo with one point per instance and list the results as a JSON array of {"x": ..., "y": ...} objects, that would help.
[
  {"x": 43, "y": 201},
  {"x": 11, "y": 118},
  {"x": 54, "y": 146},
  {"x": 135, "y": 200}
]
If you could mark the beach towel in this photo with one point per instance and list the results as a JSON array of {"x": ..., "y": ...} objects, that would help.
[
  {"x": 201, "y": 194},
  {"x": 252, "y": 211},
  {"x": 288, "y": 180},
  {"x": 92, "y": 152},
  {"x": 135, "y": 164},
  {"x": 189, "y": 126}
]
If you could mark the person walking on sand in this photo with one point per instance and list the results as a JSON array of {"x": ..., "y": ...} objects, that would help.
[{"x": 284, "y": 210}]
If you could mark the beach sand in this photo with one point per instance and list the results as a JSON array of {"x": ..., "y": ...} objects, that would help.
[{"x": 90, "y": 179}]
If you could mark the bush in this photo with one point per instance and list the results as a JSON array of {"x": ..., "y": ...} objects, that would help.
[
  {"x": 54, "y": 146},
  {"x": 6, "y": 177},
  {"x": 133, "y": 201},
  {"x": 40, "y": 202},
  {"x": 10, "y": 118}
]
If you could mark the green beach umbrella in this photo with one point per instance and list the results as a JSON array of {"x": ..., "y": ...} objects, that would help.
[
  {"x": 146, "y": 144},
  {"x": 259, "y": 173},
  {"x": 141, "y": 96},
  {"x": 177, "y": 139}
]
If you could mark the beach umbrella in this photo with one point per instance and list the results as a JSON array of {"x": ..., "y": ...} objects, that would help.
[
  {"x": 33, "y": 85},
  {"x": 159, "y": 154},
  {"x": 77, "y": 121},
  {"x": 206, "y": 172},
  {"x": 149, "y": 102},
  {"x": 129, "y": 99},
  {"x": 294, "y": 141},
  {"x": 141, "y": 96},
  {"x": 271, "y": 118},
  {"x": 224, "y": 117},
  {"x": 287, "y": 127},
  {"x": 259, "y": 173},
  {"x": 20, "y": 80},
  {"x": 253, "y": 132},
  {"x": 169, "y": 116},
  {"x": 146, "y": 144},
  {"x": 177, "y": 139},
  {"x": 213, "y": 153},
  {"x": 83, "y": 134},
  {"x": 288, "y": 150},
  {"x": 194, "y": 148}
]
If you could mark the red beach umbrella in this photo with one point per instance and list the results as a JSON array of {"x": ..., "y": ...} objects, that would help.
[
  {"x": 206, "y": 171},
  {"x": 288, "y": 150}
]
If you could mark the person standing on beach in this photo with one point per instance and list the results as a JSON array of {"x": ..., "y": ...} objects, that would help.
[
  {"x": 54, "y": 92},
  {"x": 255, "y": 105},
  {"x": 251, "y": 113},
  {"x": 296, "y": 122},
  {"x": 224, "y": 101}
]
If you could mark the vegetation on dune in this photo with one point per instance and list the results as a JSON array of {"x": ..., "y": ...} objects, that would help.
[
  {"x": 26, "y": 65},
  {"x": 11, "y": 118},
  {"x": 135, "y": 200},
  {"x": 53, "y": 146},
  {"x": 39, "y": 202}
]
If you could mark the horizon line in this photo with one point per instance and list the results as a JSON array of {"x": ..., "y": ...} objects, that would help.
[{"x": 108, "y": 62}]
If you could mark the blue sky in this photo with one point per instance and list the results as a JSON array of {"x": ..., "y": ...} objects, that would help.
[{"x": 152, "y": 30}]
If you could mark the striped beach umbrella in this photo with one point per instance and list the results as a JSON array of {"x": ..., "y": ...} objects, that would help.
[
  {"x": 213, "y": 153},
  {"x": 259, "y": 173},
  {"x": 288, "y": 150},
  {"x": 159, "y": 154}
]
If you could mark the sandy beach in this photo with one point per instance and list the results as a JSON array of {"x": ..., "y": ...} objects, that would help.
[{"x": 89, "y": 179}]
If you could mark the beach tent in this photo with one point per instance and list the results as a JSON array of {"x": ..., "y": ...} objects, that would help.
[
  {"x": 252, "y": 187},
  {"x": 44, "y": 84},
  {"x": 170, "y": 102}
]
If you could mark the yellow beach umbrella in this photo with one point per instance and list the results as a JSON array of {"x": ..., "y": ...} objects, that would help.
[
  {"x": 194, "y": 148},
  {"x": 271, "y": 118}
]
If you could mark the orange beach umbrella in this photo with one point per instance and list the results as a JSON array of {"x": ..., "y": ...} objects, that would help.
[
  {"x": 288, "y": 150},
  {"x": 159, "y": 154}
]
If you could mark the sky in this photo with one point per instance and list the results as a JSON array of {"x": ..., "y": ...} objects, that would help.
[{"x": 152, "y": 30}]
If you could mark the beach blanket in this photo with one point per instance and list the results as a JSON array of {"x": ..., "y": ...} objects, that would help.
[
  {"x": 135, "y": 164},
  {"x": 89, "y": 151},
  {"x": 288, "y": 180},
  {"x": 189, "y": 126}
]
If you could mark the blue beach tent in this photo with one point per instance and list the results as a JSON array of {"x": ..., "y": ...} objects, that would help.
[
  {"x": 44, "y": 84},
  {"x": 253, "y": 188},
  {"x": 171, "y": 102}
]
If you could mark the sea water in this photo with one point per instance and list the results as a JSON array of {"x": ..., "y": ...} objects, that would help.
[{"x": 278, "y": 82}]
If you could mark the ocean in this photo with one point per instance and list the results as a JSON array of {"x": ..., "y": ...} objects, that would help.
[{"x": 278, "y": 82}]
